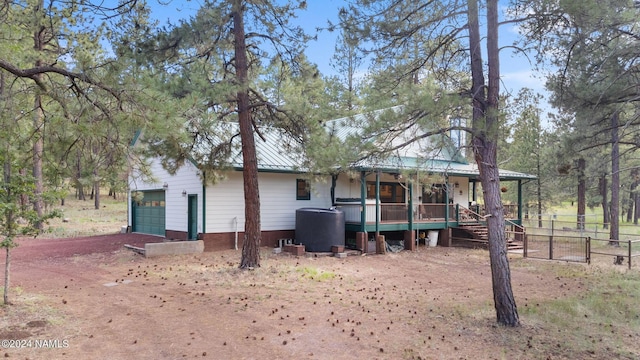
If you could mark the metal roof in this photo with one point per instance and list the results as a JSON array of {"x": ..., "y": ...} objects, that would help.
[
  {"x": 445, "y": 167},
  {"x": 274, "y": 153},
  {"x": 277, "y": 153}
]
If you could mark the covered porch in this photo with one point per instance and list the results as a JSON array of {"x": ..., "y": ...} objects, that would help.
[{"x": 404, "y": 203}]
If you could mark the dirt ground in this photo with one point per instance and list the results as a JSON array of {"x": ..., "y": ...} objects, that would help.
[{"x": 89, "y": 298}]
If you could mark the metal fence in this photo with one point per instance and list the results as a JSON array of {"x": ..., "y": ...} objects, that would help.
[
  {"x": 567, "y": 247},
  {"x": 551, "y": 226},
  {"x": 618, "y": 250},
  {"x": 557, "y": 247}
]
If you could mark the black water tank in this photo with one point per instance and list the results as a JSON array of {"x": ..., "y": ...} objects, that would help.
[{"x": 318, "y": 229}]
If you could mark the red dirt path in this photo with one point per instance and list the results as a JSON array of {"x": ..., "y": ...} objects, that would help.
[
  {"x": 100, "y": 301},
  {"x": 31, "y": 249}
]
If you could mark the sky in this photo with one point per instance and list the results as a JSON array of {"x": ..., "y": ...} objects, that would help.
[{"x": 516, "y": 72}]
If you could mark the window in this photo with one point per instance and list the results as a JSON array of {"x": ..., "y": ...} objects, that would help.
[
  {"x": 434, "y": 194},
  {"x": 303, "y": 191},
  {"x": 389, "y": 192}
]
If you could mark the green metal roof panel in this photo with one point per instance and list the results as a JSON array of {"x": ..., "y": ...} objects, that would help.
[
  {"x": 273, "y": 154},
  {"x": 447, "y": 167},
  {"x": 277, "y": 153}
]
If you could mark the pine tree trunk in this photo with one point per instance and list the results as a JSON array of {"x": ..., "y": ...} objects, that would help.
[
  {"x": 7, "y": 271},
  {"x": 96, "y": 199},
  {"x": 251, "y": 244},
  {"x": 96, "y": 184},
  {"x": 10, "y": 228},
  {"x": 636, "y": 205},
  {"x": 24, "y": 198},
  {"x": 539, "y": 188},
  {"x": 603, "y": 187},
  {"x": 484, "y": 142},
  {"x": 79, "y": 187},
  {"x": 38, "y": 127},
  {"x": 38, "y": 146},
  {"x": 582, "y": 193},
  {"x": 632, "y": 199},
  {"x": 635, "y": 199},
  {"x": 614, "y": 215}
]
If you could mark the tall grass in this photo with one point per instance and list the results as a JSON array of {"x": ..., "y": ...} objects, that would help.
[
  {"x": 80, "y": 218},
  {"x": 607, "y": 312}
]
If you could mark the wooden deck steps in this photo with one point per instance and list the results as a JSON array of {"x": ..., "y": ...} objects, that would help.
[{"x": 478, "y": 234}]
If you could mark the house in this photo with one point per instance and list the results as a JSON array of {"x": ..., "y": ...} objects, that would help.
[{"x": 402, "y": 196}]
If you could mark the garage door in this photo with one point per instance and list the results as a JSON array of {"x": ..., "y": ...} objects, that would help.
[{"x": 148, "y": 214}]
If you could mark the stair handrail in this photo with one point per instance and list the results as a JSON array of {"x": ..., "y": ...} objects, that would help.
[
  {"x": 478, "y": 218},
  {"x": 522, "y": 231},
  {"x": 481, "y": 218},
  {"x": 513, "y": 224}
]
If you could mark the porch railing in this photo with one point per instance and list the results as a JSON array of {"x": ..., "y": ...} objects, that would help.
[
  {"x": 510, "y": 210},
  {"x": 434, "y": 212},
  {"x": 395, "y": 213},
  {"x": 388, "y": 212}
]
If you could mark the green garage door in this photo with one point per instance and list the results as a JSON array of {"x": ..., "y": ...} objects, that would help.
[{"x": 148, "y": 213}]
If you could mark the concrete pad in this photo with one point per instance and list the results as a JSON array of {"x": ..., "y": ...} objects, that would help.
[
  {"x": 340, "y": 255},
  {"x": 173, "y": 248}
]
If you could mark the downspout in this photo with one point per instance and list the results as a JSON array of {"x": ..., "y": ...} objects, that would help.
[
  {"x": 235, "y": 244},
  {"x": 334, "y": 179}
]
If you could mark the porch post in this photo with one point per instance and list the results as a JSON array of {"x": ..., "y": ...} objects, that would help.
[
  {"x": 363, "y": 202},
  {"x": 409, "y": 235},
  {"x": 377, "y": 203},
  {"x": 446, "y": 202},
  {"x": 204, "y": 204},
  {"x": 520, "y": 201},
  {"x": 361, "y": 236},
  {"x": 410, "y": 215}
]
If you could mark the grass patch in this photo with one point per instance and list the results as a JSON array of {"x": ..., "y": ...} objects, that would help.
[
  {"x": 80, "y": 218},
  {"x": 606, "y": 313},
  {"x": 315, "y": 274}
]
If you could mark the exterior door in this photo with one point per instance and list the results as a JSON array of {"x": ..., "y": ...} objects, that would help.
[{"x": 192, "y": 227}]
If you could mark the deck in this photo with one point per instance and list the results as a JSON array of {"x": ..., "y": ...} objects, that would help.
[{"x": 398, "y": 217}]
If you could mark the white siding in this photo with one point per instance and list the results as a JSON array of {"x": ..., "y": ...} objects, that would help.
[
  {"x": 186, "y": 180},
  {"x": 461, "y": 192},
  {"x": 278, "y": 204},
  {"x": 347, "y": 188}
]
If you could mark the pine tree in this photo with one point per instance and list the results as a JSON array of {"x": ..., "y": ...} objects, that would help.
[
  {"x": 426, "y": 71},
  {"x": 214, "y": 64}
]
